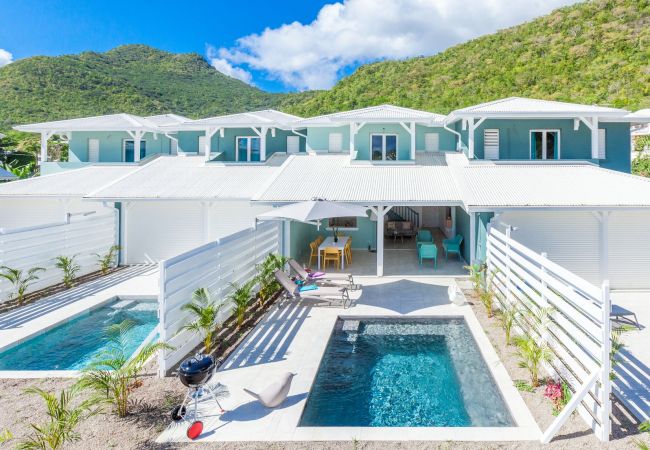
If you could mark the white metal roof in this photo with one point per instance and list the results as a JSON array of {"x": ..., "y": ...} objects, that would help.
[
  {"x": 190, "y": 178},
  {"x": 381, "y": 113},
  {"x": 530, "y": 107},
  {"x": 332, "y": 177},
  {"x": 167, "y": 119},
  {"x": 70, "y": 183},
  {"x": 267, "y": 117},
  {"x": 641, "y": 131},
  {"x": 551, "y": 185},
  {"x": 640, "y": 116},
  {"x": 110, "y": 122}
]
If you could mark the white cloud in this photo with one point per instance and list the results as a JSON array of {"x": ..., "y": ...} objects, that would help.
[
  {"x": 312, "y": 56},
  {"x": 223, "y": 66},
  {"x": 5, "y": 57}
]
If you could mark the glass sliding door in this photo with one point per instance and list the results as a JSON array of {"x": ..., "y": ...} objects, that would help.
[
  {"x": 247, "y": 148},
  {"x": 545, "y": 144},
  {"x": 129, "y": 149},
  {"x": 383, "y": 147}
]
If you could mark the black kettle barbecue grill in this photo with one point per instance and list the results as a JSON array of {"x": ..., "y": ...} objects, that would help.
[{"x": 195, "y": 373}]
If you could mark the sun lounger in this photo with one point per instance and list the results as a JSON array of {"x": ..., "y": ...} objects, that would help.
[
  {"x": 329, "y": 294},
  {"x": 326, "y": 277},
  {"x": 624, "y": 316}
]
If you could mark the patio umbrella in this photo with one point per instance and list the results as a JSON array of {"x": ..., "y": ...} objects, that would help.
[{"x": 313, "y": 211}]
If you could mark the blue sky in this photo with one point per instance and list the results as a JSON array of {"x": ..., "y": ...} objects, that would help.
[{"x": 276, "y": 45}]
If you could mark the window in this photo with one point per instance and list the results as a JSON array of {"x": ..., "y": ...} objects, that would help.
[
  {"x": 93, "y": 150},
  {"x": 602, "y": 143},
  {"x": 248, "y": 148},
  {"x": 342, "y": 222},
  {"x": 491, "y": 143},
  {"x": 127, "y": 149},
  {"x": 336, "y": 142},
  {"x": 431, "y": 142},
  {"x": 545, "y": 144},
  {"x": 293, "y": 144},
  {"x": 383, "y": 147}
]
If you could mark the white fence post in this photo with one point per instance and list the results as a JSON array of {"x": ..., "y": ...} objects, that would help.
[
  {"x": 508, "y": 266},
  {"x": 605, "y": 382}
]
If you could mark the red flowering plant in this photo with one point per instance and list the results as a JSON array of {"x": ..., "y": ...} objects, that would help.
[{"x": 558, "y": 393}]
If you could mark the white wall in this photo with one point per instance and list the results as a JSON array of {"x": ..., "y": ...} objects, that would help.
[
  {"x": 158, "y": 230},
  {"x": 572, "y": 239},
  {"x": 26, "y": 212}
]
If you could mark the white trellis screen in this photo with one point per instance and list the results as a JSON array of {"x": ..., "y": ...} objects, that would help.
[
  {"x": 213, "y": 266},
  {"x": 37, "y": 246},
  {"x": 578, "y": 331}
]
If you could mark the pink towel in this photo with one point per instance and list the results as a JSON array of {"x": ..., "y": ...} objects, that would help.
[{"x": 316, "y": 274}]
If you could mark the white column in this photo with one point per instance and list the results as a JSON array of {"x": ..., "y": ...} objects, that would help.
[
  {"x": 470, "y": 138},
  {"x": 472, "y": 237},
  {"x": 286, "y": 238},
  {"x": 412, "y": 127},
  {"x": 263, "y": 143},
  {"x": 44, "y": 137},
  {"x": 380, "y": 240},
  {"x": 124, "y": 224},
  {"x": 207, "y": 143},
  {"x": 353, "y": 131},
  {"x": 136, "y": 146},
  {"x": 594, "y": 137}
]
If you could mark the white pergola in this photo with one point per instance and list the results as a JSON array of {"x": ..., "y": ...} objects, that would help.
[
  {"x": 260, "y": 122},
  {"x": 134, "y": 126},
  {"x": 524, "y": 108}
]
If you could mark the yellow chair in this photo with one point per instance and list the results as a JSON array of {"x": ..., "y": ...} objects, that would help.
[
  {"x": 320, "y": 239},
  {"x": 348, "y": 251},
  {"x": 313, "y": 246},
  {"x": 331, "y": 254}
]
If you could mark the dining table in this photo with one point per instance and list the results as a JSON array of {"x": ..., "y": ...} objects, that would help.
[{"x": 339, "y": 244}]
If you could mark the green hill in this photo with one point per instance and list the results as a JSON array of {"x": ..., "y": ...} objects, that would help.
[
  {"x": 594, "y": 52},
  {"x": 133, "y": 78}
]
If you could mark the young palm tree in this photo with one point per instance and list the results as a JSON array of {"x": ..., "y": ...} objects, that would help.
[
  {"x": 206, "y": 316},
  {"x": 240, "y": 297},
  {"x": 114, "y": 373},
  {"x": 107, "y": 260},
  {"x": 20, "y": 280},
  {"x": 69, "y": 267},
  {"x": 507, "y": 316},
  {"x": 266, "y": 275},
  {"x": 64, "y": 417},
  {"x": 531, "y": 355}
]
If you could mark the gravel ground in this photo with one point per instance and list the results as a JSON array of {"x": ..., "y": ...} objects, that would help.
[{"x": 155, "y": 398}]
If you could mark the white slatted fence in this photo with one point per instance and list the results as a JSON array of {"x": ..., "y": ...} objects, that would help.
[
  {"x": 28, "y": 247},
  {"x": 213, "y": 266},
  {"x": 578, "y": 331}
]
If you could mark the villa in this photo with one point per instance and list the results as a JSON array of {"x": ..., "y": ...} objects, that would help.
[{"x": 541, "y": 191}]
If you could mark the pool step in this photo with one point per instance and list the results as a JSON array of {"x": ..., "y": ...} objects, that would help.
[
  {"x": 122, "y": 304},
  {"x": 350, "y": 325}
]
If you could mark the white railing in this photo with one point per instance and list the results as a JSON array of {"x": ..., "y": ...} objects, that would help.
[
  {"x": 37, "y": 246},
  {"x": 578, "y": 331},
  {"x": 213, "y": 266}
]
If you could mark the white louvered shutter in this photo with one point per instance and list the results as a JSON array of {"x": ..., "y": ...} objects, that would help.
[
  {"x": 432, "y": 142},
  {"x": 336, "y": 142},
  {"x": 602, "y": 138},
  {"x": 293, "y": 144},
  {"x": 491, "y": 143},
  {"x": 93, "y": 150}
]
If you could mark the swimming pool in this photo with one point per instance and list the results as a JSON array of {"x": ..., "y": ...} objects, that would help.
[
  {"x": 404, "y": 372},
  {"x": 73, "y": 344}
]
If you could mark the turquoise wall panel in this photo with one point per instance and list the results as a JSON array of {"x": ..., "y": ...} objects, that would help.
[
  {"x": 482, "y": 220},
  {"x": 362, "y": 140},
  {"x": 447, "y": 139},
  {"x": 110, "y": 145},
  {"x": 226, "y": 144},
  {"x": 188, "y": 141},
  {"x": 463, "y": 228},
  {"x": 514, "y": 140}
]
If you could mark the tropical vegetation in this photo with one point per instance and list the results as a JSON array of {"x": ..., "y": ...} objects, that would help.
[
  {"x": 268, "y": 285},
  {"x": 204, "y": 311},
  {"x": 240, "y": 297},
  {"x": 114, "y": 373},
  {"x": 107, "y": 260},
  {"x": 20, "y": 279},
  {"x": 69, "y": 267}
]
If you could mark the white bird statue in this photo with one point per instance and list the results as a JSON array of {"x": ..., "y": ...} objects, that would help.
[{"x": 275, "y": 394}]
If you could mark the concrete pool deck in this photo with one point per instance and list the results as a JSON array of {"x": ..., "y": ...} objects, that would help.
[
  {"x": 293, "y": 338},
  {"x": 21, "y": 323}
]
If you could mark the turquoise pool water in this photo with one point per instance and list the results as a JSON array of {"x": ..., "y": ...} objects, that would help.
[
  {"x": 72, "y": 345},
  {"x": 404, "y": 373}
]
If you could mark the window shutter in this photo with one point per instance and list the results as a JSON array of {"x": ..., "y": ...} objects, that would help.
[
  {"x": 432, "y": 142},
  {"x": 335, "y": 142},
  {"x": 93, "y": 150},
  {"x": 602, "y": 138},
  {"x": 293, "y": 144},
  {"x": 491, "y": 143},
  {"x": 173, "y": 147}
]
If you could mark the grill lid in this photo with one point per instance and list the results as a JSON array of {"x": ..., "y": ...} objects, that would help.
[{"x": 198, "y": 363}]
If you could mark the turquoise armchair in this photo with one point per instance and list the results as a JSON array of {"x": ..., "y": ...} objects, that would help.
[
  {"x": 428, "y": 251},
  {"x": 452, "y": 245},
  {"x": 424, "y": 237}
]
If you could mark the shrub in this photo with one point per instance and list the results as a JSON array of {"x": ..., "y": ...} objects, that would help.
[
  {"x": 240, "y": 297},
  {"x": 64, "y": 417},
  {"x": 206, "y": 316},
  {"x": 507, "y": 316},
  {"x": 107, "y": 260},
  {"x": 266, "y": 275},
  {"x": 559, "y": 394},
  {"x": 69, "y": 267},
  {"x": 476, "y": 277},
  {"x": 114, "y": 373},
  {"x": 20, "y": 280}
]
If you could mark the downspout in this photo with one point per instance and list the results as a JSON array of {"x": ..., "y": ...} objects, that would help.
[
  {"x": 173, "y": 139},
  {"x": 459, "y": 142},
  {"x": 293, "y": 130}
]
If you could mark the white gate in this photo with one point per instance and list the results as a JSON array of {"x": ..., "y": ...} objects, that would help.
[
  {"x": 213, "y": 266},
  {"x": 578, "y": 331}
]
